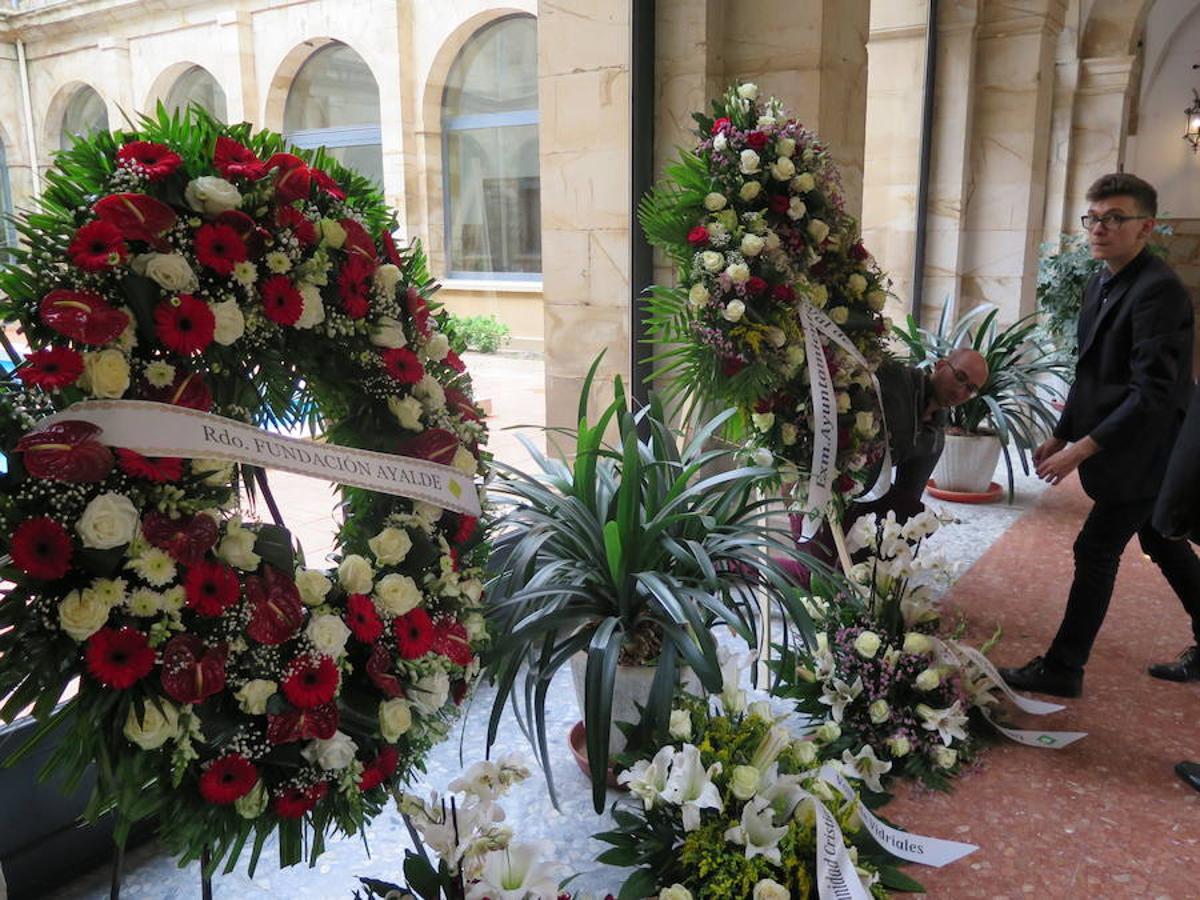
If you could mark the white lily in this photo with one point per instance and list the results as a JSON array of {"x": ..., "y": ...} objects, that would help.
[
  {"x": 866, "y": 766},
  {"x": 840, "y": 696},
  {"x": 690, "y": 787},
  {"x": 824, "y": 664},
  {"x": 758, "y": 832},
  {"x": 517, "y": 872},
  {"x": 773, "y": 743},
  {"x": 948, "y": 723},
  {"x": 733, "y": 698},
  {"x": 782, "y": 792},
  {"x": 647, "y": 780}
]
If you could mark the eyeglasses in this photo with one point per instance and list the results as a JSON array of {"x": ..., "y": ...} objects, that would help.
[
  {"x": 1108, "y": 220},
  {"x": 962, "y": 378}
]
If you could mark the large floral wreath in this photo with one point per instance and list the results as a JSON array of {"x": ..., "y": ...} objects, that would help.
[
  {"x": 224, "y": 687},
  {"x": 754, "y": 220}
]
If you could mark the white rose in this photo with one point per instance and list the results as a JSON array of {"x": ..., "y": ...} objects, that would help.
[
  {"x": 818, "y": 295},
  {"x": 230, "y": 324},
  {"x": 806, "y": 752},
  {"x": 804, "y": 182},
  {"x": 211, "y": 195},
  {"x": 743, "y": 782},
  {"x": 748, "y": 91},
  {"x": 750, "y": 190},
  {"x": 395, "y": 718},
  {"x": 428, "y": 512},
  {"x": 856, "y": 284},
  {"x": 332, "y": 233},
  {"x": 843, "y": 402},
  {"x": 698, "y": 295},
  {"x": 159, "y": 723},
  {"x": 788, "y": 434},
  {"x": 944, "y": 757},
  {"x": 928, "y": 680},
  {"x": 818, "y": 230},
  {"x": 720, "y": 142},
  {"x": 397, "y": 594},
  {"x": 82, "y": 614},
  {"x": 876, "y": 300},
  {"x": 313, "y": 586},
  {"x": 712, "y": 260},
  {"x": 390, "y": 546},
  {"x": 110, "y": 520},
  {"x": 438, "y": 347},
  {"x": 431, "y": 692},
  {"x": 765, "y": 122},
  {"x": 734, "y": 310},
  {"x": 253, "y": 696},
  {"x": 864, "y": 423},
  {"x": 313, "y": 313},
  {"x": 465, "y": 461},
  {"x": 170, "y": 271},
  {"x": 106, "y": 373},
  {"x": 898, "y": 746},
  {"x": 879, "y": 711},
  {"x": 328, "y": 634},
  {"x": 388, "y": 332},
  {"x": 750, "y": 162},
  {"x": 783, "y": 169},
  {"x": 785, "y": 146},
  {"x": 214, "y": 472},
  {"x": 867, "y": 644},
  {"x": 763, "y": 421},
  {"x": 776, "y": 337},
  {"x": 476, "y": 626},
  {"x": 237, "y": 548},
  {"x": 680, "y": 726},
  {"x": 917, "y": 643},
  {"x": 752, "y": 245},
  {"x": 828, "y": 732},
  {"x": 796, "y": 209},
  {"x": 714, "y": 201},
  {"x": 387, "y": 277},
  {"x": 356, "y": 575},
  {"x": 332, "y": 753},
  {"x": 840, "y": 314},
  {"x": 472, "y": 589},
  {"x": 407, "y": 411},
  {"x": 769, "y": 889},
  {"x": 675, "y": 892},
  {"x": 739, "y": 273}
]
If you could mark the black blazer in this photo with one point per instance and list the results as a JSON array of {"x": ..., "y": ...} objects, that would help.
[
  {"x": 1133, "y": 379},
  {"x": 1177, "y": 513}
]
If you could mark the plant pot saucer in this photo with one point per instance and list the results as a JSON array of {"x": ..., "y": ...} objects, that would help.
[
  {"x": 991, "y": 495},
  {"x": 577, "y": 740}
]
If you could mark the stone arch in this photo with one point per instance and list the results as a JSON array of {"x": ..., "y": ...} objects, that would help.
[
  {"x": 161, "y": 86},
  {"x": 1113, "y": 28},
  {"x": 48, "y": 140},
  {"x": 285, "y": 73}
]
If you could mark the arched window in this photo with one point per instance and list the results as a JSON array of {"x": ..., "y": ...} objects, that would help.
[
  {"x": 197, "y": 86},
  {"x": 490, "y": 154},
  {"x": 8, "y": 237},
  {"x": 334, "y": 103},
  {"x": 85, "y": 114}
]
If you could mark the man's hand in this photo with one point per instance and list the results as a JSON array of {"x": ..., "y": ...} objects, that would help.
[
  {"x": 1047, "y": 448},
  {"x": 1062, "y": 462}
]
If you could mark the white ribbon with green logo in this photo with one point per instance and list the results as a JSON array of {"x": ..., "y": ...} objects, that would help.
[{"x": 159, "y": 429}]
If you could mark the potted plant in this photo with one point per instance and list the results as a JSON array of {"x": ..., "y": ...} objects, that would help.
[
  {"x": 1014, "y": 408},
  {"x": 629, "y": 555}
]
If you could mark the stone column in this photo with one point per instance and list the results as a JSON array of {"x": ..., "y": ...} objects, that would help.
[
  {"x": 1009, "y": 148},
  {"x": 114, "y": 60},
  {"x": 242, "y": 97},
  {"x": 583, "y": 95},
  {"x": 1066, "y": 81}
]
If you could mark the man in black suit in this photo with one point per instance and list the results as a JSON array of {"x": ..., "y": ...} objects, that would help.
[{"x": 1133, "y": 379}]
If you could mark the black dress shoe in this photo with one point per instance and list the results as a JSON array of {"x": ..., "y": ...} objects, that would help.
[
  {"x": 1043, "y": 677},
  {"x": 1189, "y": 772},
  {"x": 1185, "y": 668}
]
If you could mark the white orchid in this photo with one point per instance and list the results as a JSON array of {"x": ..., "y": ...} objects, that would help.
[
  {"x": 516, "y": 872},
  {"x": 647, "y": 780},
  {"x": 948, "y": 723},
  {"x": 690, "y": 786},
  {"x": 867, "y": 766},
  {"x": 837, "y": 695},
  {"x": 758, "y": 832}
]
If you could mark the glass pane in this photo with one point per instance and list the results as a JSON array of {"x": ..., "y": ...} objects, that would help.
[
  {"x": 86, "y": 113},
  {"x": 495, "y": 209},
  {"x": 366, "y": 159},
  {"x": 496, "y": 71},
  {"x": 197, "y": 85},
  {"x": 333, "y": 89},
  {"x": 7, "y": 232}
]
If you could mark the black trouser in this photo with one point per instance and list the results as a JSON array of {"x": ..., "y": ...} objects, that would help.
[{"x": 1105, "y": 533}]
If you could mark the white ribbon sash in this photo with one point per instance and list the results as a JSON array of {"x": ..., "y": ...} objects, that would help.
[
  {"x": 159, "y": 429},
  {"x": 836, "y": 877}
]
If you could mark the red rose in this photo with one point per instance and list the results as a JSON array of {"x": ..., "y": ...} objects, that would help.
[
  {"x": 119, "y": 657},
  {"x": 731, "y": 365},
  {"x": 191, "y": 670},
  {"x": 51, "y": 368},
  {"x": 66, "y": 451},
  {"x": 698, "y": 236},
  {"x": 721, "y": 124},
  {"x": 294, "y": 802},
  {"x": 233, "y": 160},
  {"x": 137, "y": 216},
  {"x": 402, "y": 364},
  {"x": 155, "y": 161},
  {"x": 783, "y": 293},
  {"x": 282, "y": 302},
  {"x": 757, "y": 140},
  {"x": 184, "y": 324},
  {"x": 414, "y": 633},
  {"x": 98, "y": 246},
  {"x": 843, "y": 484},
  {"x": 311, "y": 682},
  {"x": 858, "y": 252},
  {"x": 220, "y": 247},
  {"x": 211, "y": 588},
  {"x": 185, "y": 539},
  {"x": 158, "y": 469},
  {"x": 755, "y": 286},
  {"x": 276, "y": 609},
  {"x": 83, "y": 316},
  {"x": 227, "y": 779},
  {"x": 41, "y": 548},
  {"x": 778, "y": 203},
  {"x": 362, "y": 618}
]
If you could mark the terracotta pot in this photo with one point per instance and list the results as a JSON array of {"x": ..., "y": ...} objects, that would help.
[{"x": 967, "y": 463}]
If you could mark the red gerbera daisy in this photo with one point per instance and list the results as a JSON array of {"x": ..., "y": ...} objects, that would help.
[
  {"x": 154, "y": 160},
  {"x": 41, "y": 548},
  {"x": 184, "y": 324},
  {"x": 233, "y": 160},
  {"x": 52, "y": 367},
  {"x": 301, "y": 226},
  {"x": 294, "y": 802},
  {"x": 450, "y": 640},
  {"x": 282, "y": 303},
  {"x": 119, "y": 657},
  {"x": 379, "y": 770},
  {"x": 402, "y": 364},
  {"x": 219, "y": 247},
  {"x": 227, "y": 779},
  {"x": 354, "y": 285},
  {"x": 311, "y": 682},
  {"x": 362, "y": 619},
  {"x": 158, "y": 469},
  {"x": 98, "y": 246},
  {"x": 293, "y": 179},
  {"x": 211, "y": 588},
  {"x": 414, "y": 633}
]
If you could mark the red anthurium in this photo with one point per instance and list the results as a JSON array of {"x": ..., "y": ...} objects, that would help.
[
  {"x": 434, "y": 444},
  {"x": 155, "y": 161},
  {"x": 191, "y": 670},
  {"x": 98, "y": 246},
  {"x": 185, "y": 539},
  {"x": 67, "y": 451},
  {"x": 380, "y": 769},
  {"x": 327, "y": 184},
  {"x": 450, "y": 640},
  {"x": 357, "y": 239},
  {"x": 303, "y": 724},
  {"x": 137, "y": 216},
  {"x": 419, "y": 310},
  {"x": 379, "y": 670},
  {"x": 464, "y": 406},
  {"x": 294, "y": 802},
  {"x": 293, "y": 179},
  {"x": 454, "y": 361},
  {"x": 82, "y": 316},
  {"x": 276, "y": 611},
  {"x": 233, "y": 160},
  {"x": 188, "y": 390},
  {"x": 389, "y": 247}
]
